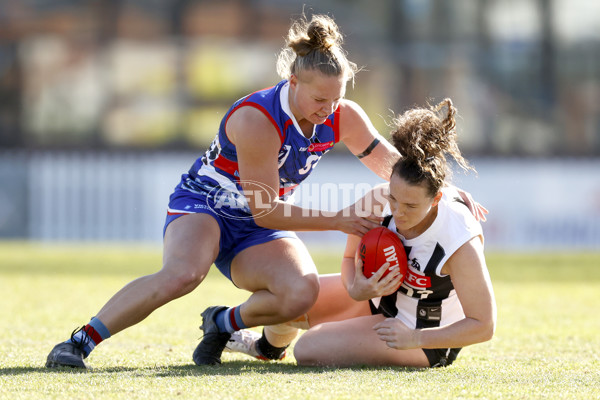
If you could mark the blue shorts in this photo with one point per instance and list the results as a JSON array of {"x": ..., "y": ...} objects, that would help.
[{"x": 238, "y": 229}]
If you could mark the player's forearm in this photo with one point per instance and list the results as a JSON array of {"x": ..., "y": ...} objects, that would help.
[
  {"x": 459, "y": 334},
  {"x": 280, "y": 215},
  {"x": 347, "y": 271}
]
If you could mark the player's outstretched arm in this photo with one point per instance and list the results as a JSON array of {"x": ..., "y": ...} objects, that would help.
[{"x": 257, "y": 143}]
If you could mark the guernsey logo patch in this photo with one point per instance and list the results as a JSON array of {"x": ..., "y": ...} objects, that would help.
[{"x": 318, "y": 146}]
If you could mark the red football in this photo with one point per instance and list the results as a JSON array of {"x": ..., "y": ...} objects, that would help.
[{"x": 381, "y": 245}]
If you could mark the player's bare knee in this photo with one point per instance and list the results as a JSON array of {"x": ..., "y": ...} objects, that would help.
[
  {"x": 302, "y": 351},
  {"x": 299, "y": 298},
  {"x": 181, "y": 280}
]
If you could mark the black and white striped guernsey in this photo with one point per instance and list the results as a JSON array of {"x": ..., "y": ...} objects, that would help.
[{"x": 427, "y": 297}]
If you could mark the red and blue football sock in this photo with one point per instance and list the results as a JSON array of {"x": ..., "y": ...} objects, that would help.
[
  {"x": 230, "y": 320},
  {"x": 90, "y": 336}
]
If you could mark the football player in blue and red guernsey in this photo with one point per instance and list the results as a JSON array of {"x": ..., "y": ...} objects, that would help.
[{"x": 230, "y": 208}]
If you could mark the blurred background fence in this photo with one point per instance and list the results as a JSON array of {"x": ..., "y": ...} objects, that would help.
[{"x": 104, "y": 103}]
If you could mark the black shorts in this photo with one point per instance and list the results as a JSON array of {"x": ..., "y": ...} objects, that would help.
[
  {"x": 441, "y": 357},
  {"x": 436, "y": 357}
]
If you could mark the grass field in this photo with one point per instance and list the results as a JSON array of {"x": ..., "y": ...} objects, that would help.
[{"x": 547, "y": 343}]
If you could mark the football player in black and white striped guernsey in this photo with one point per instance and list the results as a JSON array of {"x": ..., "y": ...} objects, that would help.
[{"x": 446, "y": 300}]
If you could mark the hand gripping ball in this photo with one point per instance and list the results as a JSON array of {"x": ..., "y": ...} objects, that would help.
[{"x": 381, "y": 245}]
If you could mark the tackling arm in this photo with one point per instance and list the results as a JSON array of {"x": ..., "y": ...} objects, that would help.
[
  {"x": 362, "y": 139},
  {"x": 257, "y": 144}
]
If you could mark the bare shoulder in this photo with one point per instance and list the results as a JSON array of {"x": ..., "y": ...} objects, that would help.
[
  {"x": 249, "y": 124},
  {"x": 351, "y": 111},
  {"x": 356, "y": 129},
  {"x": 466, "y": 258}
]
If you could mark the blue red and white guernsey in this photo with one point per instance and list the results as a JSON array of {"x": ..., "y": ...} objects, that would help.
[{"x": 216, "y": 172}]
